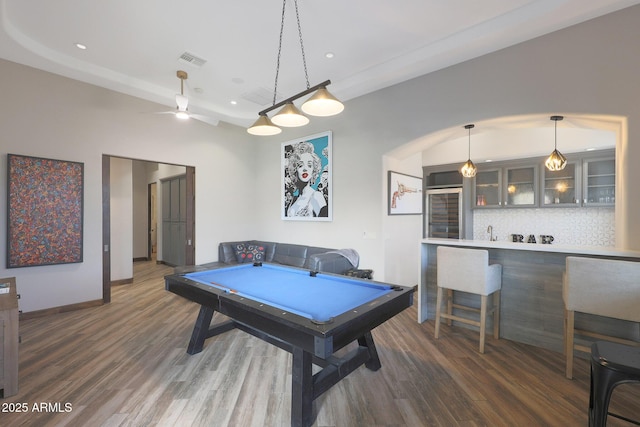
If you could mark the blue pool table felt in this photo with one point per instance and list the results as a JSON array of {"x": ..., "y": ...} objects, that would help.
[{"x": 318, "y": 298}]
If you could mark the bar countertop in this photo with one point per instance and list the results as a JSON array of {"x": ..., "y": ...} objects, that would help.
[{"x": 557, "y": 248}]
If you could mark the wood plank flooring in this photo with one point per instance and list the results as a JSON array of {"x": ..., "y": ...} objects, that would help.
[{"x": 125, "y": 364}]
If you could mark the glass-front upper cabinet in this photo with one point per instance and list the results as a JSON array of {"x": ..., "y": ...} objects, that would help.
[
  {"x": 487, "y": 188},
  {"x": 521, "y": 186},
  {"x": 560, "y": 188},
  {"x": 588, "y": 179},
  {"x": 599, "y": 182},
  {"x": 515, "y": 186}
]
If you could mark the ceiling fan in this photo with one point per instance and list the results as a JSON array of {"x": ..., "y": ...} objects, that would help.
[
  {"x": 181, "y": 100},
  {"x": 182, "y": 104}
]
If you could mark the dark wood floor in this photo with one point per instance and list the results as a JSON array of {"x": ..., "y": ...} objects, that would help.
[{"x": 124, "y": 364}]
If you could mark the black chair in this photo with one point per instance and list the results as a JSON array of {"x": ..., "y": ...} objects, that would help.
[{"x": 612, "y": 364}]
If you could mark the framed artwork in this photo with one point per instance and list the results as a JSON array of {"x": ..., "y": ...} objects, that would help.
[
  {"x": 405, "y": 194},
  {"x": 306, "y": 179},
  {"x": 44, "y": 211}
]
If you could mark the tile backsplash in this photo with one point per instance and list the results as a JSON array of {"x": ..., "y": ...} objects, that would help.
[{"x": 568, "y": 226}]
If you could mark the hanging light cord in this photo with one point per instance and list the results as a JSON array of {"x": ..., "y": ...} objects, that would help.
[
  {"x": 304, "y": 59},
  {"x": 469, "y": 127},
  {"x": 275, "y": 87}
]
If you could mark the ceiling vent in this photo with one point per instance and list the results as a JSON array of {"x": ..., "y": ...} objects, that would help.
[
  {"x": 191, "y": 59},
  {"x": 260, "y": 96}
]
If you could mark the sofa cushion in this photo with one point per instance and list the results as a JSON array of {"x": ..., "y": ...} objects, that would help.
[
  {"x": 248, "y": 252},
  {"x": 269, "y": 249},
  {"x": 289, "y": 254},
  {"x": 227, "y": 250}
]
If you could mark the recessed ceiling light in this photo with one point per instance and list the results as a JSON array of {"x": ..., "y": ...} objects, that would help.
[
  {"x": 590, "y": 149},
  {"x": 234, "y": 102},
  {"x": 329, "y": 55},
  {"x": 81, "y": 46},
  {"x": 488, "y": 161}
]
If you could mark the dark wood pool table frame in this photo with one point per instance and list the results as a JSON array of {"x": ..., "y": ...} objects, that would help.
[{"x": 310, "y": 343}]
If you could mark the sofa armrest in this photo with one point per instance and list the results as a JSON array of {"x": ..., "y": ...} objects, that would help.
[{"x": 329, "y": 262}]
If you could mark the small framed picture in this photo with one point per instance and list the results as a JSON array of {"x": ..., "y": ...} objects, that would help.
[{"x": 405, "y": 194}]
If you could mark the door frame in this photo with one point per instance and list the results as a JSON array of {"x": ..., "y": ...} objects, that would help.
[
  {"x": 150, "y": 207},
  {"x": 190, "y": 248}
]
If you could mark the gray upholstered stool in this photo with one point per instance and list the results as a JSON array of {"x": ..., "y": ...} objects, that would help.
[
  {"x": 604, "y": 287},
  {"x": 468, "y": 270}
]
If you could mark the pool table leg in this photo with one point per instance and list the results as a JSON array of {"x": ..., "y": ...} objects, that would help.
[
  {"x": 200, "y": 330},
  {"x": 374, "y": 360},
  {"x": 301, "y": 389},
  {"x": 203, "y": 330}
]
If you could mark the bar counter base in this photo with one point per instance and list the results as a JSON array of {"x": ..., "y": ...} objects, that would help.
[{"x": 532, "y": 308}]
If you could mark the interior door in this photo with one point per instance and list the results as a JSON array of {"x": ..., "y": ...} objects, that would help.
[{"x": 174, "y": 220}]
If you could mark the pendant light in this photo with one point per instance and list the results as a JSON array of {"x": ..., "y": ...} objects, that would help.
[
  {"x": 322, "y": 103},
  {"x": 556, "y": 161},
  {"x": 290, "y": 116},
  {"x": 469, "y": 170},
  {"x": 264, "y": 127}
]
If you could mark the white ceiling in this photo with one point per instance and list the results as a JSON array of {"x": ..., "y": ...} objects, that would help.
[{"x": 134, "y": 46}]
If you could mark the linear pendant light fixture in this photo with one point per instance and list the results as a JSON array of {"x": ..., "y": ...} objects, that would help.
[
  {"x": 556, "y": 161},
  {"x": 322, "y": 103},
  {"x": 469, "y": 170}
]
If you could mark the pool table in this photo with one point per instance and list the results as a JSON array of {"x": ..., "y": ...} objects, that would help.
[{"x": 310, "y": 314}]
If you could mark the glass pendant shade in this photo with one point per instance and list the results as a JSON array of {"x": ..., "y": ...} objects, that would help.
[
  {"x": 468, "y": 170},
  {"x": 556, "y": 161},
  {"x": 264, "y": 127},
  {"x": 322, "y": 104},
  {"x": 289, "y": 116}
]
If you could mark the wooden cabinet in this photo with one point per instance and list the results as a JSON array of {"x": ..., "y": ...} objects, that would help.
[
  {"x": 443, "y": 179},
  {"x": 509, "y": 186},
  {"x": 599, "y": 177},
  {"x": 521, "y": 186},
  {"x": 447, "y": 206},
  {"x": 589, "y": 179},
  {"x": 8, "y": 337},
  {"x": 561, "y": 188},
  {"x": 487, "y": 188}
]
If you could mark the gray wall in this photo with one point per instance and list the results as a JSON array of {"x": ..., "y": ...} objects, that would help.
[
  {"x": 54, "y": 117},
  {"x": 591, "y": 68}
]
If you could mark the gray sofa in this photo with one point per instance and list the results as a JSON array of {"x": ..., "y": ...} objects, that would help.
[{"x": 309, "y": 257}]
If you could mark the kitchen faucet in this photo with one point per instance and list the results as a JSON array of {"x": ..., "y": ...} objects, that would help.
[{"x": 490, "y": 231}]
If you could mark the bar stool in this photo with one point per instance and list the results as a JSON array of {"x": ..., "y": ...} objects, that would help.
[
  {"x": 612, "y": 364},
  {"x": 468, "y": 270},
  {"x": 602, "y": 287}
]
